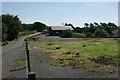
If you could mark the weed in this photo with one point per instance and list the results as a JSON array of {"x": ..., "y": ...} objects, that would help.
[
  {"x": 50, "y": 43},
  {"x": 84, "y": 45},
  {"x": 57, "y": 47},
  {"x": 20, "y": 62}
]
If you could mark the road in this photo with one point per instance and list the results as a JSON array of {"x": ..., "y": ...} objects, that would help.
[{"x": 9, "y": 56}]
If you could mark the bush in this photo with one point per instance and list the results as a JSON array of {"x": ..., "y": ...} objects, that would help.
[
  {"x": 100, "y": 33},
  {"x": 71, "y": 34},
  {"x": 88, "y": 35},
  {"x": 78, "y": 35},
  {"x": 67, "y": 34}
]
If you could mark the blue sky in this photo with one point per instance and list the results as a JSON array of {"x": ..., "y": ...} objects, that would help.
[{"x": 56, "y": 13}]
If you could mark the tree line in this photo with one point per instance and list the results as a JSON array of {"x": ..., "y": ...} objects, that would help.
[
  {"x": 99, "y": 30},
  {"x": 12, "y": 28}
]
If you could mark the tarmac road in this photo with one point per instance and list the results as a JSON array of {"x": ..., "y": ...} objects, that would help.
[{"x": 12, "y": 53}]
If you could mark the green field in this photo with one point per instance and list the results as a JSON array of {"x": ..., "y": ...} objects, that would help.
[{"x": 96, "y": 55}]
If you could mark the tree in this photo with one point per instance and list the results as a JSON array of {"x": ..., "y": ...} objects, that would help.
[
  {"x": 38, "y": 26},
  {"x": 86, "y": 28},
  {"x": 4, "y": 32},
  {"x": 88, "y": 35},
  {"x": 110, "y": 24},
  {"x": 100, "y": 33},
  {"x": 71, "y": 26},
  {"x": 86, "y": 24},
  {"x": 66, "y": 24},
  {"x": 79, "y": 30},
  {"x": 26, "y": 27},
  {"x": 92, "y": 28},
  {"x": 106, "y": 28},
  {"x": 96, "y": 24},
  {"x": 12, "y": 25}
]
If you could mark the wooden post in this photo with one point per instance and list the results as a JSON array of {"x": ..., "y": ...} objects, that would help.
[
  {"x": 28, "y": 57},
  {"x": 28, "y": 61},
  {"x": 31, "y": 75}
]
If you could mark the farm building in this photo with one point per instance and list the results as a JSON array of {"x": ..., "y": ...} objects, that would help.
[{"x": 57, "y": 30}]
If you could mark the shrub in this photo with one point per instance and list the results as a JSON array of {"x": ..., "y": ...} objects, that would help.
[
  {"x": 78, "y": 35},
  {"x": 100, "y": 33},
  {"x": 67, "y": 34},
  {"x": 88, "y": 35},
  {"x": 50, "y": 43},
  {"x": 71, "y": 34},
  {"x": 84, "y": 45}
]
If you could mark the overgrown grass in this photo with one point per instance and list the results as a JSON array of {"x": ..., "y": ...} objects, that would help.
[{"x": 101, "y": 52}]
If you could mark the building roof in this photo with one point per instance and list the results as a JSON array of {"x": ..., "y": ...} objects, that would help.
[{"x": 61, "y": 27}]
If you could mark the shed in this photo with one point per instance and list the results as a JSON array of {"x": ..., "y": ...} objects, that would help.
[{"x": 57, "y": 30}]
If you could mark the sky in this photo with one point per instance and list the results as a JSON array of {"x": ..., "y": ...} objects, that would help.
[
  {"x": 60, "y": 0},
  {"x": 57, "y": 13}
]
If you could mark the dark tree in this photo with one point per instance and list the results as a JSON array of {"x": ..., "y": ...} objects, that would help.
[
  {"x": 86, "y": 24},
  {"x": 79, "y": 30},
  {"x": 100, "y": 33},
  {"x": 4, "y": 32},
  {"x": 26, "y": 27},
  {"x": 106, "y": 28},
  {"x": 12, "y": 24},
  {"x": 38, "y": 26},
  {"x": 96, "y": 24},
  {"x": 66, "y": 24},
  {"x": 92, "y": 28}
]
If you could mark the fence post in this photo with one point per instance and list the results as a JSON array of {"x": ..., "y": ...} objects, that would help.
[
  {"x": 28, "y": 57},
  {"x": 31, "y": 75}
]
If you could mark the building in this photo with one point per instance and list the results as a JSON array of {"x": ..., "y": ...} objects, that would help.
[{"x": 57, "y": 30}]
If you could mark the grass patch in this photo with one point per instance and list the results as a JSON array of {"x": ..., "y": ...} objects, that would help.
[{"x": 20, "y": 62}]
